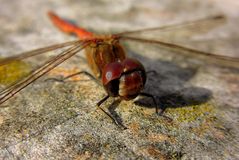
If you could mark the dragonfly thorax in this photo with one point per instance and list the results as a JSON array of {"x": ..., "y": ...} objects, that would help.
[{"x": 103, "y": 52}]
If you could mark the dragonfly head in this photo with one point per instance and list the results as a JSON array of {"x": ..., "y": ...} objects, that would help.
[{"x": 125, "y": 78}]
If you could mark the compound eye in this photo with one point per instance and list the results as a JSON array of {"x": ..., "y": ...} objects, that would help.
[
  {"x": 111, "y": 72},
  {"x": 132, "y": 65}
]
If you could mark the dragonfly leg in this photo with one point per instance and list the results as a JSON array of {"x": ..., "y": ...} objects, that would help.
[
  {"x": 151, "y": 96},
  {"x": 75, "y": 74},
  {"x": 109, "y": 115},
  {"x": 158, "y": 109}
]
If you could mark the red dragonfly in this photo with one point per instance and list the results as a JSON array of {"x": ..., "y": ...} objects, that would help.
[{"x": 120, "y": 76}]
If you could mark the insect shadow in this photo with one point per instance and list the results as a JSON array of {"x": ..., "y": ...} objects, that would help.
[{"x": 167, "y": 83}]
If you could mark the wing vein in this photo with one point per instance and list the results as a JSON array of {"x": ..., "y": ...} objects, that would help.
[
  {"x": 200, "y": 22},
  {"x": 46, "y": 67},
  {"x": 37, "y": 52},
  {"x": 214, "y": 58}
]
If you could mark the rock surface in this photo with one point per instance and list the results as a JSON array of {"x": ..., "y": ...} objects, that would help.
[{"x": 51, "y": 120}]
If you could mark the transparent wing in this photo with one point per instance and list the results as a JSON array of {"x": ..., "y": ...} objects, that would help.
[
  {"x": 42, "y": 70},
  {"x": 36, "y": 52},
  {"x": 14, "y": 68},
  {"x": 205, "y": 56},
  {"x": 183, "y": 29}
]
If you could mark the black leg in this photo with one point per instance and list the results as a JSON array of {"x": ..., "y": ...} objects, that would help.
[
  {"x": 102, "y": 100},
  {"x": 75, "y": 74},
  {"x": 157, "y": 108},
  {"x": 110, "y": 116},
  {"x": 151, "y": 96}
]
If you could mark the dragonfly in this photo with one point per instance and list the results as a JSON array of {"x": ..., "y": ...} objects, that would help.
[{"x": 120, "y": 76}]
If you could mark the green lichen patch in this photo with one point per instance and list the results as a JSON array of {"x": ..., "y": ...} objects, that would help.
[
  {"x": 13, "y": 71},
  {"x": 193, "y": 113},
  {"x": 197, "y": 119}
]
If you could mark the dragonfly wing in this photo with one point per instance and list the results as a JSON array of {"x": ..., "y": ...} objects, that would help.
[
  {"x": 39, "y": 72},
  {"x": 181, "y": 30},
  {"x": 205, "y": 56},
  {"x": 37, "y": 52}
]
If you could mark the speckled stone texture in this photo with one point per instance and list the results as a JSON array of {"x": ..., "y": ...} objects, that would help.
[{"x": 51, "y": 120}]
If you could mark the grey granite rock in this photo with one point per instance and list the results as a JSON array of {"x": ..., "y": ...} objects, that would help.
[{"x": 50, "y": 120}]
